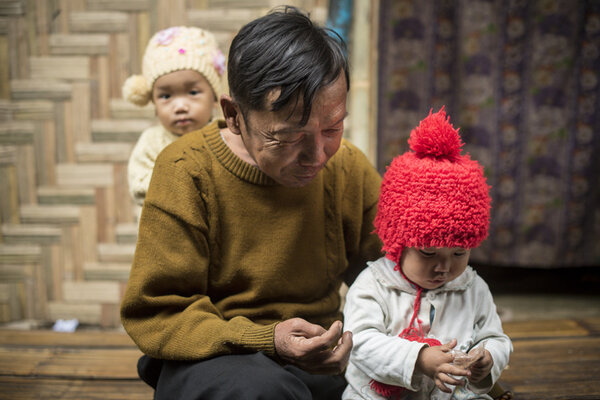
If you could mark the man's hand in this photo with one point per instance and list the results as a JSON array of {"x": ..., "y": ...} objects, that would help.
[
  {"x": 482, "y": 367},
  {"x": 312, "y": 348},
  {"x": 436, "y": 363}
]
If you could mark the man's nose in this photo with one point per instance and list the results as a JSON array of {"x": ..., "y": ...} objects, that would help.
[{"x": 313, "y": 154}]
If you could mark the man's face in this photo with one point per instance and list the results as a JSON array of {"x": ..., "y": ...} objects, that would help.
[{"x": 290, "y": 154}]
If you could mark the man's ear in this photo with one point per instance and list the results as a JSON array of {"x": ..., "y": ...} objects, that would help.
[{"x": 231, "y": 114}]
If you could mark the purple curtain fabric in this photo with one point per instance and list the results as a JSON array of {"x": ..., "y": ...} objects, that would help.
[{"x": 522, "y": 81}]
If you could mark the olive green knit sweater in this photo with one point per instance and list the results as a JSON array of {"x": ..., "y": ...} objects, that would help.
[{"x": 224, "y": 253}]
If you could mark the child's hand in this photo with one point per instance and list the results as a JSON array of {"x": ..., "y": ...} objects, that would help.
[
  {"x": 482, "y": 367},
  {"x": 436, "y": 363}
]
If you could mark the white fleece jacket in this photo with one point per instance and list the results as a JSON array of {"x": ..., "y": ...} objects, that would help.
[
  {"x": 143, "y": 156},
  {"x": 379, "y": 305}
]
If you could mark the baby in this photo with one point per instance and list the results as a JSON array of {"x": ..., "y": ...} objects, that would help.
[
  {"x": 182, "y": 74},
  {"x": 415, "y": 310}
]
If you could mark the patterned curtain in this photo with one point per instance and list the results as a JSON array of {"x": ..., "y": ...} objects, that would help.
[{"x": 522, "y": 81}]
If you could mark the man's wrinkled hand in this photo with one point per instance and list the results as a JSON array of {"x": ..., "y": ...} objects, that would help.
[{"x": 311, "y": 347}]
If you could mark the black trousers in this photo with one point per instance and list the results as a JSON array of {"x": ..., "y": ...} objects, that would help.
[{"x": 252, "y": 376}]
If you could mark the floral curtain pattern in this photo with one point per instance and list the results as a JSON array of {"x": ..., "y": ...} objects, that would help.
[{"x": 522, "y": 81}]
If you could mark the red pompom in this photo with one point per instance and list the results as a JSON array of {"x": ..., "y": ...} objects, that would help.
[{"x": 436, "y": 137}]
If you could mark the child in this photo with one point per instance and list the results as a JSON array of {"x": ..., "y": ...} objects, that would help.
[
  {"x": 411, "y": 310},
  {"x": 182, "y": 74}
]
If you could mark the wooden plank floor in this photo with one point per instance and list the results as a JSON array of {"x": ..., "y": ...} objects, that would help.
[
  {"x": 554, "y": 359},
  {"x": 82, "y": 365}
]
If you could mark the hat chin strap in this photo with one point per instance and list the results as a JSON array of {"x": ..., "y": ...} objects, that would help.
[{"x": 413, "y": 334}]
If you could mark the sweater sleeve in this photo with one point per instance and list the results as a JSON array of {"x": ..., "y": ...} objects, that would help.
[
  {"x": 488, "y": 330},
  {"x": 166, "y": 308},
  {"x": 360, "y": 206}
]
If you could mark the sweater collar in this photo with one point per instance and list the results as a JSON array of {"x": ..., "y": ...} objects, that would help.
[{"x": 229, "y": 160}]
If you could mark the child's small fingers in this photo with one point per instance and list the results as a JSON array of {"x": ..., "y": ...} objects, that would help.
[
  {"x": 458, "y": 371},
  {"x": 442, "y": 387},
  {"x": 449, "y": 346},
  {"x": 449, "y": 380}
]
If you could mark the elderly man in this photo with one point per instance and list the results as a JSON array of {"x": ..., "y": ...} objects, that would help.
[{"x": 251, "y": 225}]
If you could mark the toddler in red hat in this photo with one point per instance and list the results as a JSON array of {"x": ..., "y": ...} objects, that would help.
[{"x": 414, "y": 311}]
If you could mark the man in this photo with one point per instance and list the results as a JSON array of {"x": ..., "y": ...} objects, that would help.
[{"x": 251, "y": 225}]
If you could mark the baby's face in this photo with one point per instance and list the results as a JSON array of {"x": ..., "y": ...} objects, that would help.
[
  {"x": 184, "y": 101},
  {"x": 431, "y": 267}
]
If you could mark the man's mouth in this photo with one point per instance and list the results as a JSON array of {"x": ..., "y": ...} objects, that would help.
[{"x": 308, "y": 175}]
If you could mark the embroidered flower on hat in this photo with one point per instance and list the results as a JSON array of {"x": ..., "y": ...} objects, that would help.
[
  {"x": 165, "y": 37},
  {"x": 219, "y": 61},
  {"x": 181, "y": 51}
]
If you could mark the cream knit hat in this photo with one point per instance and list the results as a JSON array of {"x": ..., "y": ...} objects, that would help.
[{"x": 174, "y": 49}]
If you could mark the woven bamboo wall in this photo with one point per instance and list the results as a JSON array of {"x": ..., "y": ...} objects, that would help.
[{"x": 68, "y": 225}]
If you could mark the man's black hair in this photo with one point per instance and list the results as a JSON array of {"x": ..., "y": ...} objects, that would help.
[{"x": 284, "y": 50}]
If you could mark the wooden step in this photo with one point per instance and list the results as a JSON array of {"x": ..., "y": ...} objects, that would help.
[
  {"x": 33, "y": 110},
  {"x": 86, "y": 364},
  {"x": 122, "y": 109},
  {"x": 29, "y": 233},
  {"x": 120, "y": 5},
  {"x": 83, "y": 358},
  {"x": 104, "y": 292},
  {"x": 8, "y": 155},
  {"x": 16, "y": 271},
  {"x": 84, "y": 175},
  {"x": 98, "y": 21},
  {"x": 12, "y": 7},
  {"x": 63, "y": 67},
  {"x": 53, "y": 195},
  {"x": 82, "y": 338},
  {"x": 127, "y": 233},
  {"x": 72, "y": 362},
  {"x": 27, "y": 110},
  {"x": 79, "y": 44},
  {"x": 6, "y": 110},
  {"x": 118, "y": 130},
  {"x": 222, "y": 19},
  {"x": 49, "y": 214},
  {"x": 20, "y": 254},
  {"x": 116, "y": 253},
  {"x": 547, "y": 328},
  {"x": 561, "y": 368},
  {"x": 262, "y": 4},
  {"x": 30, "y": 89},
  {"x": 85, "y": 313},
  {"x": 106, "y": 271},
  {"x": 16, "y": 133},
  {"x": 26, "y": 388},
  {"x": 103, "y": 152}
]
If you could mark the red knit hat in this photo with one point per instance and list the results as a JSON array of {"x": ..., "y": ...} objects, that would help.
[{"x": 433, "y": 196}]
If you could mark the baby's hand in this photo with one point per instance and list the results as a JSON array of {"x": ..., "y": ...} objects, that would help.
[
  {"x": 482, "y": 367},
  {"x": 436, "y": 363}
]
